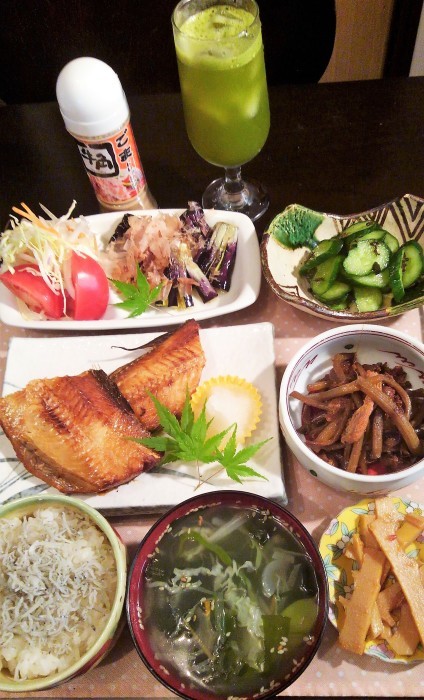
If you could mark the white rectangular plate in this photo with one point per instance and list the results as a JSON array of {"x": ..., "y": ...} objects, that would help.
[
  {"x": 245, "y": 285},
  {"x": 245, "y": 351}
]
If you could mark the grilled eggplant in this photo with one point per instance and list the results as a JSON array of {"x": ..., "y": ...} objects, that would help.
[
  {"x": 72, "y": 432},
  {"x": 171, "y": 368}
]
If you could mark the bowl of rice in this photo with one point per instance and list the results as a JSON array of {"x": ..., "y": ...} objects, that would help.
[{"x": 63, "y": 572}]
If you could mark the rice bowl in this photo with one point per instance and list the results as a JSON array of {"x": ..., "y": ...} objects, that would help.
[{"x": 62, "y": 588}]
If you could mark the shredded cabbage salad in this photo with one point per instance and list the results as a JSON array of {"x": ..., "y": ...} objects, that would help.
[{"x": 46, "y": 243}]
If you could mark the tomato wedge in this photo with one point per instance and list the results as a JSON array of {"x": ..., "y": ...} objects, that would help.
[
  {"x": 91, "y": 289},
  {"x": 33, "y": 290}
]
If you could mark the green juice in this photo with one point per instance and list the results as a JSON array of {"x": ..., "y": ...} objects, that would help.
[{"x": 223, "y": 84}]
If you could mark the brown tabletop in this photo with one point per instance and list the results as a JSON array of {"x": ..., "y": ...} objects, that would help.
[{"x": 339, "y": 148}]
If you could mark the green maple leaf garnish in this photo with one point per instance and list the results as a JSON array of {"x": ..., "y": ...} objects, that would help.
[
  {"x": 186, "y": 440},
  {"x": 138, "y": 296},
  {"x": 235, "y": 460}
]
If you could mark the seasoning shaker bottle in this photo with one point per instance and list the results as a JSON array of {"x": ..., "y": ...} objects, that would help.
[{"x": 96, "y": 113}]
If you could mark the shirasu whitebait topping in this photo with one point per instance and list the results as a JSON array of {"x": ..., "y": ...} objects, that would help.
[{"x": 57, "y": 586}]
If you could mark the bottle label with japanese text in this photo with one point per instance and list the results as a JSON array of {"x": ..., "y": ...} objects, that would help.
[{"x": 113, "y": 165}]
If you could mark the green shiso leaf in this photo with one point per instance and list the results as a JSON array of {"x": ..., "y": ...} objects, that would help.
[{"x": 295, "y": 227}]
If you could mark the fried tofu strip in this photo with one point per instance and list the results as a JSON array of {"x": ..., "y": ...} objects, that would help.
[
  {"x": 359, "y": 608},
  {"x": 405, "y": 639},
  {"x": 367, "y": 537},
  {"x": 170, "y": 369},
  {"x": 410, "y": 529},
  {"x": 405, "y": 569},
  {"x": 72, "y": 432},
  {"x": 387, "y": 600},
  {"x": 376, "y": 629},
  {"x": 355, "y": 549}
]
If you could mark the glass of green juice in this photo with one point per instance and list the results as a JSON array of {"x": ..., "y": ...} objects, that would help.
[{"x": 225, "y": 97}]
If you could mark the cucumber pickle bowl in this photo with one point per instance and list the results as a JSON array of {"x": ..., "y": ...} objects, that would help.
[{"x": 361, "y": 276}]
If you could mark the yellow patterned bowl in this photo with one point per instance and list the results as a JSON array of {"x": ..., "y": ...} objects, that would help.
[{"x": 339, "y": 568}]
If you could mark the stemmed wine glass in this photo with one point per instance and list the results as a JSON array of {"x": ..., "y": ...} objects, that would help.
[{"x": 225, "y": 98}]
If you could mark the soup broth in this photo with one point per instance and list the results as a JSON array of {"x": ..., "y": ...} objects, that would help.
[{"x": 230, "y": 601}]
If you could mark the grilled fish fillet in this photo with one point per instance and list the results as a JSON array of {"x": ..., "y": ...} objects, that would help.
[
  {"x": 72, "y": 432},
  {"x": 172, "y": 367}
]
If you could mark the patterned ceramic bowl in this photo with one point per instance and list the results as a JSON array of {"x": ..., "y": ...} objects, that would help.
[
  {"x": 372, "y": 344},
  {"x": 403, "y": 218},
  {"x": 211, "y": 612},
  {"x": 114, "y": 625},
  {"x": 340, "y": 569}
]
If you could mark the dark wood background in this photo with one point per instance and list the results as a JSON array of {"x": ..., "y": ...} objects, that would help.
[
  {"x": 335, "y": 147},
  {"x": 135, "y": 37}
]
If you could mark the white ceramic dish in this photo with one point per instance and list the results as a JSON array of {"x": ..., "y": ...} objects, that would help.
[
  {"x": 402, "y": 217},
  {"x": 244, "y": 289},
  {"x": 246, "y": 351},
  {"x": 372, "y": 344}
]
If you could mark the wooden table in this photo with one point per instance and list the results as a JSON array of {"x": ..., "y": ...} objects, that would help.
[{"x": 339, "y": 148}]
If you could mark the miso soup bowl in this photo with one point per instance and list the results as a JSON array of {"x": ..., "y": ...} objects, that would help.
[
  {"x": 372, "y": 344},
  {"x": 167, "y": 662},
  {"x": 116, "y": 619}
]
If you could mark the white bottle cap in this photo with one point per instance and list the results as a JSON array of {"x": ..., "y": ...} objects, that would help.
[{"x": 91, "y": 99}]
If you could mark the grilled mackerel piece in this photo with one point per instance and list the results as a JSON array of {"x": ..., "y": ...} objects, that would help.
[
  {"x": 172, "y": 367},
  {"x": 72, "y": 432}
]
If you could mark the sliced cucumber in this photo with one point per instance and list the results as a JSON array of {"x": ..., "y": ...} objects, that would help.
[
  {"x": 375, "y": 234},
  {"x": 381, "y": 280},
  {"x": 380, "y": 234},
  {"x": 323, "y": 251},
  {"x": 412, "y": 263},
  {"x": 364, "y": 263},
  {"x": 367, "y": 298},
  {"x": 367, "y": 256},
  {"x": 405, "y": 268},
  {"x": 391, "y": 242},
  {"x": 359, "y": 227},
  {"x": 325, "y": 274},
  {"x": 414, "y": 292},
  {"x": 340, "y": 305},
  {"x": 337, "y": 291}
]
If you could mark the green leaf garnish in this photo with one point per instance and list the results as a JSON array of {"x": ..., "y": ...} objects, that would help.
[
  {"x": 138, "y": 296},
  {"x": 295, "y": 227},
  {"x": 235, "y": 460},
  {"x": 186, "y": 440}
]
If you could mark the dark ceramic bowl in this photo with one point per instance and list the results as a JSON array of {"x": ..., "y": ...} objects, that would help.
[
  {"x": 163, "y": 651},
  {"x": 402, "y": 217}
]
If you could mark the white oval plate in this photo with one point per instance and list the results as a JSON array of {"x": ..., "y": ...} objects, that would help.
[{"x": 244, "y": 289}]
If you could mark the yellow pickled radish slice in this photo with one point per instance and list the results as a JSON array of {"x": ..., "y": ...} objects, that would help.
[{"x": 229, "y": 400}]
